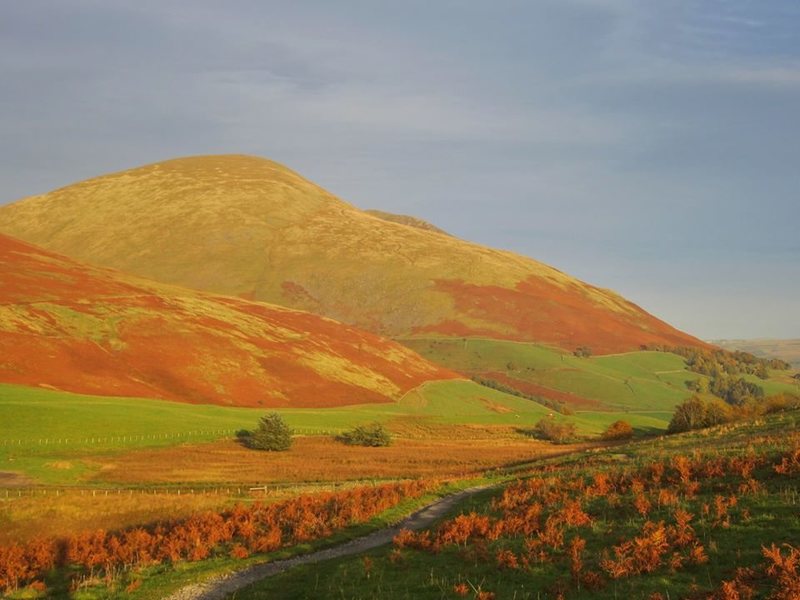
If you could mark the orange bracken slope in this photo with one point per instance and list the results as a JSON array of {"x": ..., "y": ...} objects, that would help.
[
  {"x": 249, "y": 227},
  {"x": 91, "y": 330}
]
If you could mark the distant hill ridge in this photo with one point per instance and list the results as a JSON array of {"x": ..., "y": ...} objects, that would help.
[
  {"x": 247, "y": 226},
  {"x": 84, "y": 329},
  {"x": 783, "y": 349}
]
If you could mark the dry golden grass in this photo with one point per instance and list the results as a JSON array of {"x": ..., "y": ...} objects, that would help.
[
  {"x": 405, "y": 220},
  {"x": 215, "y": 475},
  {"x": 74, "y": 511},
  {"x": 318, "y": 459},
  {"x": 40, "y": 512}
]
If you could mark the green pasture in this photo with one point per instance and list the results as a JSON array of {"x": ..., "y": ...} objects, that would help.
[
  {"x": 39, "y": 428},
  {"x": 635, "y": 381},
  {"x": 778, "y": 383},
  {"x": 43, "y": 430},
  {"x": 39, "y": 418}
]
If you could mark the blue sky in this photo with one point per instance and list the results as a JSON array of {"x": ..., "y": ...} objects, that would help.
[{"x": 649, "y": 147}]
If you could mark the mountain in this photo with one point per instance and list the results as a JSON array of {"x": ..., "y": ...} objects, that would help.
[
  {"x": 783, "y": 349},
  {"x": 249, "y": 227},
  {"x": 84, "y": 329}
]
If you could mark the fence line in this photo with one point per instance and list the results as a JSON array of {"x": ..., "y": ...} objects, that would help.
[
  {"x": 242, "y": 489},
  {"x": 93, "y": 440}
]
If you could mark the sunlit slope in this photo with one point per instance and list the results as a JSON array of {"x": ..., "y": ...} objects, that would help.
[
  {"x": 405, "y": 220},
  {"x": 648, "y": 382},
  {"x": 249, "y": 227},
  {"x": 85, "y": 329}
]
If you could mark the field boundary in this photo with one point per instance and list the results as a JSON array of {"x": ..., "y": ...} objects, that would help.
[{"x": 124, "y": 439}]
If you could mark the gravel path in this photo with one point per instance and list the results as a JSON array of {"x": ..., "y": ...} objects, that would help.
[{"x": 221, "y": 587}]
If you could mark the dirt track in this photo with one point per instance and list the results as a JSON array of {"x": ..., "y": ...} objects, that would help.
[{"x": 219, "y": 588}]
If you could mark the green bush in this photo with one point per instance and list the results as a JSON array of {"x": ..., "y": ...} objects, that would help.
[
  {"x": 272, "y": 434},
  {"x": 373, "y": 434}
]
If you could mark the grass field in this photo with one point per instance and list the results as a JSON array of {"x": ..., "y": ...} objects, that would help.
[
  {"x": 727, "y": 484},
  {"x": 52, "y": 436},
  {"x": 115, "y": 462},
  {"x": 642, "y": 383},
  {"x": 602, "y": 526},
  {"x": 33, "y": 414},
  {"x": 635, "y": 381},
  {"x": 318, "y": 459},
  {"x": 345, "y": 513},
  {"x": 34, "y": 513},
  {"x": 60, "y": 438},
  {"x": 737, "y": 501},
  {"x": 151, "y": 484}
]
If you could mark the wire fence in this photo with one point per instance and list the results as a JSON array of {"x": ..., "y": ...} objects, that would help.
[
  {"x": 154, "y": 437},
  {"x": 243, "y": 490}
]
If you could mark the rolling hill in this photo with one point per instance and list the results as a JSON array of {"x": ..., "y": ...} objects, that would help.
[
  {"x": 783, "y": 349},
  {"x": 73, "y": 327},
  {"x": 248, "y": 227}
]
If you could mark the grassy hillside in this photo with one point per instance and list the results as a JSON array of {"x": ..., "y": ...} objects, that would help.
[
  {"x": 85, "y": 329},
  {"x": 250, "y": 227},
  {"x": 711, "y": 515},
  {"x": 788, "y": 350},
  {"x": 635, "y": 381}
]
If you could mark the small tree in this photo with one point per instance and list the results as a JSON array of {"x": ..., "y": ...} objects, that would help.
[
  {"x": 373, "y": 434},
  {"x": 690, "y": 414},
  {"x": 583, "y": 352},
  {"x": 618, "y": 430},
  {"x": 272, "y": 434}
]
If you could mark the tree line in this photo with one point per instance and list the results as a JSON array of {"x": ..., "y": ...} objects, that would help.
[{"x": 506, "y": 389}]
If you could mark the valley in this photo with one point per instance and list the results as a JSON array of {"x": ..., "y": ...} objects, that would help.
[{"x": 150, "y": 319}]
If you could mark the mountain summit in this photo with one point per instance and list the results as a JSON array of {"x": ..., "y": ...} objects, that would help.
[{"x": 249, "y": 227}]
